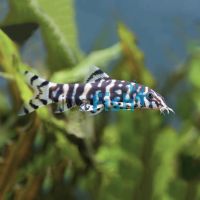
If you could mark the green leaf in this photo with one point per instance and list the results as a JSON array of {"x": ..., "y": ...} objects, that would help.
[
  {"x": 11, "y": 64},
  {"x": 100, "y": 58},
  {"x": 57, "y": 23},
  {"x": 194, "y": 71},
  {"x": 134, "y": 57},
  {"x": 166, "y": 148}
]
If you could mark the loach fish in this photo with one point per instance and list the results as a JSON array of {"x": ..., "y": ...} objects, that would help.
[{"x": 99, "y": 92}]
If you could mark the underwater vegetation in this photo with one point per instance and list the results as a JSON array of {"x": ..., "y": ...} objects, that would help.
[{"x": 140, "y": 155}]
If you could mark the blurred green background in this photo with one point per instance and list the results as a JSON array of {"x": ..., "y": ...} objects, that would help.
[{"x": 140, "y": 155}]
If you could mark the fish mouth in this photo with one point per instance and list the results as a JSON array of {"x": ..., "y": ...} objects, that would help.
[{"x": 167, "y": 109}]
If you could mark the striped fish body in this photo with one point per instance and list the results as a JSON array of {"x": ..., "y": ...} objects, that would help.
[
  {"x": 75, "y": 94},
  {"x": 98, "y": 93}
]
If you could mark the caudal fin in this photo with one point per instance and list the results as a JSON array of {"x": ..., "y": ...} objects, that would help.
[{"x": 41, "y": 92}]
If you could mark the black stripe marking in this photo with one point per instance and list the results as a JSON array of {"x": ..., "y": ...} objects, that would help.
[
  {"x": 43, "y": 101},
  {"x": 51, "y": 90},
  {"x": 69, "y": 95},
  {"x": 157, "y": 104},
  {"x": 33, "y": 78},
  {"x": 91, "y": 93},
  {"x": 94, "y": 74},
  {"x": 59, "y": 92},
  {"x": 33, "y": 105},
  {"x": 79, "y": 91},
  {"x": 69, "y": 103},
  {"x": 26, "y": 110},
  {"x": 113, "y": 93},
  {"x": 103, "y": 90},
  {"x": 44, "y": 83}
]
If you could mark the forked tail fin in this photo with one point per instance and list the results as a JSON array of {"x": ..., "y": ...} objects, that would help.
[{"x": 41, "y": 93}]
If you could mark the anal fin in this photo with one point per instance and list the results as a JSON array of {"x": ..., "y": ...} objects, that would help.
[{"x": 97, "y": 111}]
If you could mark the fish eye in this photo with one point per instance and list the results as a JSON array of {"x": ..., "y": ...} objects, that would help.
[{"x": 150, "y": 96}]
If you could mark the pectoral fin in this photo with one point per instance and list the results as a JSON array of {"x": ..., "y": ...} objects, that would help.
[{"x": 86, "y": 107}]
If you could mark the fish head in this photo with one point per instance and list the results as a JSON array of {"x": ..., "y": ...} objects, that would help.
[
  {"x": 154, "y": 100},
  {"x": 150, "y": 99}
]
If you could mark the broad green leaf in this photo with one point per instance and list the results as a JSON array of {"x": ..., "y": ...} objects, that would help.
[{"x": 57, "y": 23}]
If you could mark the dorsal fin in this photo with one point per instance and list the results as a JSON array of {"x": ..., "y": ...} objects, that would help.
[{"x": 95, "y": 75}]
